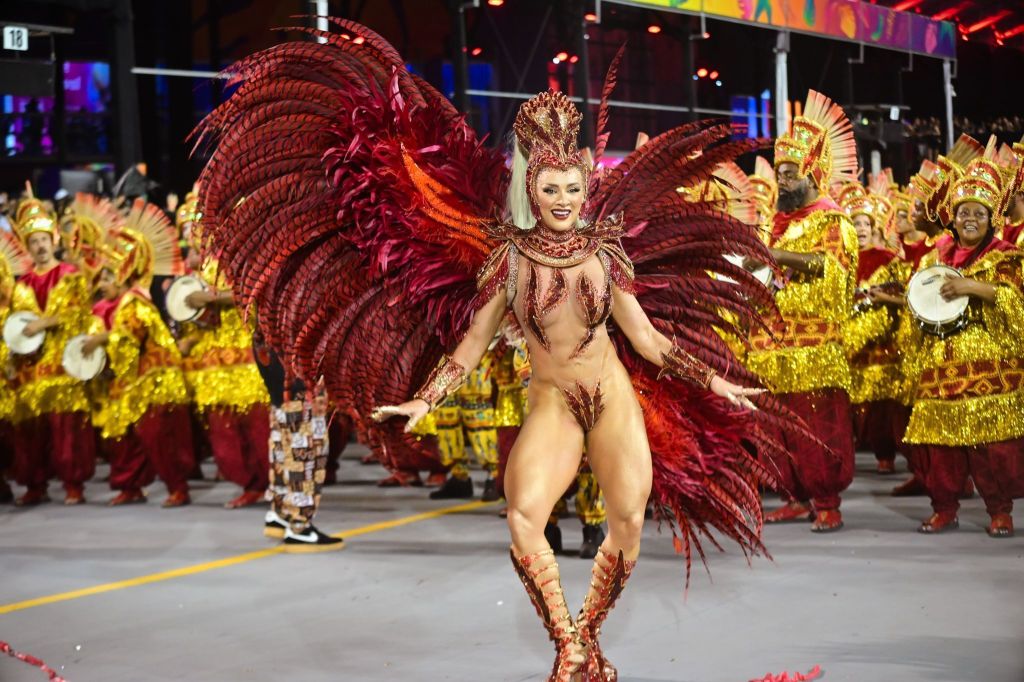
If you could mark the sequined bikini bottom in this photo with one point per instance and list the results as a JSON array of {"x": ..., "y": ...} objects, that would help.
[{"x": 586, "y": 405}]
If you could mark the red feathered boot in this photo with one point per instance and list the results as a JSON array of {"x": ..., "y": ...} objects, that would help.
[{"x": 608, "y": 577}]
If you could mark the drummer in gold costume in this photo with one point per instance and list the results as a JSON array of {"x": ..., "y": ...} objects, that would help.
[
  {"x": 876, "y": 382},
  {"x": 228, "y": 394},
  {"x": 968, "y": 416},
  {"x": 927, "y": 198},
  {"x": 802, "y": 357},
  {"x": 144, "y": 415},
  {"x": 53, "y": 432},
  {"x": 14, "y": 262}
]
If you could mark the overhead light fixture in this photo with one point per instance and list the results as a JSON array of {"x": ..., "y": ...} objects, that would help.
[
  {"x": 562, "y": 56},
  {"x": 477, "y": 51},
  {"x": 713, "y": 75},
  {"x": 590, "y": 16},
  {"x": 654, "y": 28},
  {"x": 573, "y": 59},
  {"x": 495, "y": 3},
  {"x": 702, "y": 73}
]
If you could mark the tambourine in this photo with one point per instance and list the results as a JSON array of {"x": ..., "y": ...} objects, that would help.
[
  {"x": 80, "y": 366},
  {"x": 178, "y": 293},
  {"x": 14, "y": 333}
]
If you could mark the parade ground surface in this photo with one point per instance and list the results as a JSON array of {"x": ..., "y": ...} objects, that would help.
[{"x": 424, "y": 591}]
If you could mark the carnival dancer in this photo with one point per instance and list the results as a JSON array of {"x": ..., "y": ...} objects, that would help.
[
  {"x": 876, "y": 382},
  {"x": 144, "y": 415},
  {"x": 975, "y": 370},
  {"x": 381, "y": 208},
  {"x": 227, "y": 390},
  {"x": 14, "y": 262},
  {"x": 929, "y": 190},
  {"x": 54, "y": 432},
  {"x": 802, "y": 357}
]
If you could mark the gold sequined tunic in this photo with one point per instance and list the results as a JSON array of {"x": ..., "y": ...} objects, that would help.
[
  {"x": 220, "y": 369},
  {"x": 146, "y": 365},
  {"x": 969, "y": 387},
  {"x": 807, "y": 352}
]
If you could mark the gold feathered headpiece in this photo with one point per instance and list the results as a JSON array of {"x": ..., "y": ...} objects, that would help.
[
  {"x": 821, "y": 144},
  {"x": 145, "y": 245}
]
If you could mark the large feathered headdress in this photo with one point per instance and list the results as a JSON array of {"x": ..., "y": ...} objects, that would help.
[
  {"x": 932, "y": 184},
  {"x": 14, "y": 260},
  {"x": 547, "y": 127},
  {"x": 84, "y": 228},
  {"x": 146, "y": 245},
  {"x": 33, "y": 216},
  {"x": 981, "y": 183},
  {"x": 821, "y": 143}
]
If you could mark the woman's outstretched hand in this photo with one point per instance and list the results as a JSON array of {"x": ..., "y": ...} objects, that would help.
[
  {"x": 737, "y": 395},
  {"x": 415, "y": 409}
]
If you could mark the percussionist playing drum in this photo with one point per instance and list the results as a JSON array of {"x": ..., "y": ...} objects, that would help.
[
  {"x": 53, "y": 433},
  {"x": 144, "y": 414},
  {"x": 968, "y": 415}
]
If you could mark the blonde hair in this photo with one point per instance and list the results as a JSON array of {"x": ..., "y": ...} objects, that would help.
[{"x": 517, "y": 199}]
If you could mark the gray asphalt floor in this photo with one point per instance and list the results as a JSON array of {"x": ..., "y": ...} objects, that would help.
[{"x": 435, "y": 598}]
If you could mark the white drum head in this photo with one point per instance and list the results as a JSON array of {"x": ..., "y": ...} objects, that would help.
[
  {"x": 176, "y": 295},
  {"x": 14, "y": 335},
  {"x": 925, "y": 301},
  {"x": 77, "y": 365},
  {"x": 763, "y": 273}
]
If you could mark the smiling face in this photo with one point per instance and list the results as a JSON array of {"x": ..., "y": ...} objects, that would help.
[
  {"x": 865, "y": 230},
  {"x": 972, "y": 222},
  {"x": 559, "y": 195},
  {"x": 40, "y": 247}
]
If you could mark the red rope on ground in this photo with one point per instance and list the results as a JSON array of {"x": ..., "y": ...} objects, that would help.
[
  {"x": 814, "y": 674},
  {"x": 31, "y": 660}
]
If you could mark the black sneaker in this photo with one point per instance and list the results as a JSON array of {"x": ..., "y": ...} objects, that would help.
[
  {"x": 553, "y": 534},
  {"x": 310, "y": 540},
  {"x": 490, "y": 493},
  {"x": 274, "y": 526},
  {"x": 454, "y": 489},
  {"x": 593, "y": 536}
]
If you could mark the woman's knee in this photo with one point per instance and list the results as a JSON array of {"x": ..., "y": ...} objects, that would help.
[
  {"x": 627, "y": 523},
  {"x": 525, "y": 520}
]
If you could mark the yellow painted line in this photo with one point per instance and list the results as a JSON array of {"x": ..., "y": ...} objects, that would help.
[{"x": 229, "y": 561}]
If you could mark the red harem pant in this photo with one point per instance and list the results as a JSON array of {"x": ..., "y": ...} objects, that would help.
[
  {"x": 239, "y": 441},
  {"x": 61, "y": 443},
  {"x": 159, "y": 444},
  {"x": 879, "y": 427},
  {"x": 812, "y": 472},
  {"x": 997, "y": 469}
]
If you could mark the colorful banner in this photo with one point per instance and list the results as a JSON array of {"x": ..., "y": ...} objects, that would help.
[{"x": 848, "y": 20}]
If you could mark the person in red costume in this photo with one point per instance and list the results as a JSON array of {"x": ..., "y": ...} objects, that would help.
[
  {"x": 875, "y": 368},
  {"x": 144, "y": 413},
  {"x": 802, "y": 357},
  {"x": 969, "y": 398},
  {"x": 54, "y": 434}
]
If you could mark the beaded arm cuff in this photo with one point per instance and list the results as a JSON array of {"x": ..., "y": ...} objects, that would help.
[
  {"x": 685, "y": 366},
  {"x": 446, "y": 378}
]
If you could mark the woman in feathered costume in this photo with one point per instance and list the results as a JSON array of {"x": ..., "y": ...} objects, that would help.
[{"x": 371, "y": 231}]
